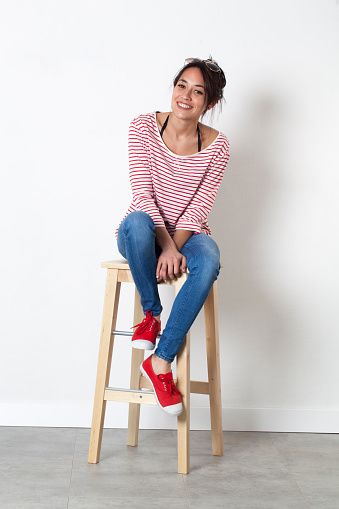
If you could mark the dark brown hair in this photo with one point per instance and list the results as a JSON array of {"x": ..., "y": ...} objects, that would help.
[{"x": 214, "y": 81}]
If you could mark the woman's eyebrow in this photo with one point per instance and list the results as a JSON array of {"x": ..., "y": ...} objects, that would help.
[{"x": 202, "y": 86}]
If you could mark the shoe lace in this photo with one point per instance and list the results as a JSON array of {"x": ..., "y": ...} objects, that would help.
[
  {"x": 145, "y": 323},
  {"x": 168, "y": 383}
]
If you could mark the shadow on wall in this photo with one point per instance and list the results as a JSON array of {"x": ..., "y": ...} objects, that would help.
[{"x": 251, "y": 317}]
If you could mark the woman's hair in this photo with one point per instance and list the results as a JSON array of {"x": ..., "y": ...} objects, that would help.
[{"x": 214, "y": 81}]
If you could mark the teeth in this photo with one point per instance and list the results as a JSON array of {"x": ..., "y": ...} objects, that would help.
[{"x": 184, "y": 105}]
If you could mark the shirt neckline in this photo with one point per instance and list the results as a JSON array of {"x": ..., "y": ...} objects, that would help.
[{"x": 154, "y": 116}]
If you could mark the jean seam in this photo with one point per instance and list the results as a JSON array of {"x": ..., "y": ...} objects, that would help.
[{"x": 181, "y": 308}]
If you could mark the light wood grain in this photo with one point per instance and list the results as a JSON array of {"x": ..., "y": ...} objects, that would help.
[
  {"x": 213, "y": 367},
  {"x": 130, "y": 397},
  {"x": 137, "y": 358},
  {"x": 183, "y": 384},
  {"x": 109, "y": 319},
  {"x": 118, "y": 272}
]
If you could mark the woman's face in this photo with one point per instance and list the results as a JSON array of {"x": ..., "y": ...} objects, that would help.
[{"x": 189, "y": 97}]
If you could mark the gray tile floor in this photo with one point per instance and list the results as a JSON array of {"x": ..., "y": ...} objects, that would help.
[{"x": 47, "y": 468}]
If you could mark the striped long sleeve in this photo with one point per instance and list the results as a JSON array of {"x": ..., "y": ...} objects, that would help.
[{"x": 201, "y": 204}]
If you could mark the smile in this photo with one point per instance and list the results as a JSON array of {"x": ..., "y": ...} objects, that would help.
[{"x": 184, "y": 106}]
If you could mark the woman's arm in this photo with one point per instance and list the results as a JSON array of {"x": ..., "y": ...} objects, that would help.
[
  {"x": 140, "y": 174},
  {"x": 202, "y": 201},
  {"x": 181, "y": 237}
]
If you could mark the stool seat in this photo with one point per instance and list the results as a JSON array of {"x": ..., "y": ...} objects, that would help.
[{"x": 140, "y": 390}]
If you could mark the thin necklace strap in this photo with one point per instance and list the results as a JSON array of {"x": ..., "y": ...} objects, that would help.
[{"x": 165, "y": 125}]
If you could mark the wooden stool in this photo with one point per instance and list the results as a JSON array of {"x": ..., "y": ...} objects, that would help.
[{"x": 119, "y": 272}]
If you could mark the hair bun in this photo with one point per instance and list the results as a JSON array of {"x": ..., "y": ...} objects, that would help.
[{"x": 222, "y": 79}]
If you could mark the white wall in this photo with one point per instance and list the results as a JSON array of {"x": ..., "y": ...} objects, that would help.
[{"x": 73, "y": 74}]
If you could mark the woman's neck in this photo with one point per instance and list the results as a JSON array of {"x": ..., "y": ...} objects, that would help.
[{"x": 180, "y": 128}]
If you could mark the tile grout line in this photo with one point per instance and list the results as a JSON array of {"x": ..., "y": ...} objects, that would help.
[
  {"x": 70, "y": 478},
  {"x": 288, "y": 470}
]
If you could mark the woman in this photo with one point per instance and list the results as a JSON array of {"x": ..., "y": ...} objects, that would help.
[{"x": 176, "y": 167}]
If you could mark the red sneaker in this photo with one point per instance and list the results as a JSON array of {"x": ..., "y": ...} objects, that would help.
[
  {"x": 167, "y": 395},
  {"x": 146, "y": 333}
]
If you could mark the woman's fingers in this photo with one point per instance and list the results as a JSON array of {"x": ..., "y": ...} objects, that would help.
[
  {"x": 169, "y": 267},
  {"x": 161, "y": 272},
  {"x": 158, "y": 271},
  {"x": 173, "y": 269},
  {"x": 176, "y": 268},
  {"x": 183, "y": 265}
]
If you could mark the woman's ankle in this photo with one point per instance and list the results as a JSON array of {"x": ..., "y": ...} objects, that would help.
[{"x": 160, "y": 366}]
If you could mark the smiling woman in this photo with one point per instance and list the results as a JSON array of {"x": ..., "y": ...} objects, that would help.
[
  {"x": 176, "y": 167},
  {"x": 213, "y": 76}
]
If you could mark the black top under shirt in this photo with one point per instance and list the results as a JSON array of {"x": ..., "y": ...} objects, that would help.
[{"x": 199, "y": 138}]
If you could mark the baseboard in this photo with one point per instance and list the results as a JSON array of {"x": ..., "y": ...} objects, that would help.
[{"x": 234, "y": 419}]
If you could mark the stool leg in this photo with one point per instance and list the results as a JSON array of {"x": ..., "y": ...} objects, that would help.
[
  {"x": 109, "y": 318},
  {"x": 213, "y": 365},
  {"x": 183, "y": 384},
  {"x": 137, "y": 358}
]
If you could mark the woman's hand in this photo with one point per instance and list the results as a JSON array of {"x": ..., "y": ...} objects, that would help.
[{"x": 171, "y": 264}]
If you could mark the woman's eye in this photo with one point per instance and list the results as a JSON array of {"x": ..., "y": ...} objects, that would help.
[
  {"x": 180, "y": 85},
  {"x": 199, "y": 92}
]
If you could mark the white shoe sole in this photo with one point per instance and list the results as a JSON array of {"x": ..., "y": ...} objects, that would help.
[
  {"x": 171, "y": 410},
  {"x": 142, "y": 344}
]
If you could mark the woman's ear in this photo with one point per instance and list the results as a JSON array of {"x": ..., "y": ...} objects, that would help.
[{"x": 210, "y": 106}]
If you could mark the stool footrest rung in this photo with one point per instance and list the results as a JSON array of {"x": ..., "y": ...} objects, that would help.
[
  {"x": 143, "y": 391},
  {"x": 199, "y": 387},
  {"x": 195, "y": 386},
  {"x": 125, "y": 333},
  {"x": 130, "y": 396}
]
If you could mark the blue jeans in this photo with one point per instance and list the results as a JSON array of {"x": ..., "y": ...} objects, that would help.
[{"x": 136, "y": 243}]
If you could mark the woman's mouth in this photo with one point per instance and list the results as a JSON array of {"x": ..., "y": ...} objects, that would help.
[{"x": 184, "y": 106}]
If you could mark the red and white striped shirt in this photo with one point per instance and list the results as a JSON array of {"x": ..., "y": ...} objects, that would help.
[{"x": 176, "y": 191}]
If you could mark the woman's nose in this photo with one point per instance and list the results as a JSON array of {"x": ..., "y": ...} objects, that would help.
[{"x": 187, "y": 94}]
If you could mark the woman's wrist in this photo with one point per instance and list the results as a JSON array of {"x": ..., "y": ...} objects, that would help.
[
  {"x": 181, "y": 237},
  {"x": 163, "y": 238},
  {"x": 177, "y": 242}
]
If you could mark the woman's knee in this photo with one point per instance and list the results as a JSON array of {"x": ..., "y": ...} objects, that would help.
[
  {"x": 210, "y": 265},
  {"x": 204, "y": 257},
  {"x": 137, "y": 221}
]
